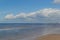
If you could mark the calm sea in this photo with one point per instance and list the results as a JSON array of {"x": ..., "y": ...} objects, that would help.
[{"x": 27, "y": 31}]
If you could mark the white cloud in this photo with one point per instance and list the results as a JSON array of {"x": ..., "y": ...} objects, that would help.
[
  {"x": 9, "y": 16},
  {"x": 45, "y": 15},
  {"x": 50, "y": 11},
  {"x": 21, "y": 15},
  {"x": 56, "y": 1}
]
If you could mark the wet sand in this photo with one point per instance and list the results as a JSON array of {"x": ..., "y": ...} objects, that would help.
[{"x": 49, "y": 37}]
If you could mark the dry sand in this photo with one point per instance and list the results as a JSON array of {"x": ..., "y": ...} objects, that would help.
[{"x": 49, "y": 37}]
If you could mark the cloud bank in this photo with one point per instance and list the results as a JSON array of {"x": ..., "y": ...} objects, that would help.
[
  {"x": 57, "y": 1},
  {"x": 43, "y": 15}
]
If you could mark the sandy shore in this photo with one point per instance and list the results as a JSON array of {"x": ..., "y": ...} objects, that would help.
[{"x": 49, "y": 37}]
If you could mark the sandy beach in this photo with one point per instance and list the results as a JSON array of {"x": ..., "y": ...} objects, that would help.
[{"x": 49, "y": 37}]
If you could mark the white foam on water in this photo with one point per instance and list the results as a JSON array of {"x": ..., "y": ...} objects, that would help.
[{"x": 11, "y": 28}]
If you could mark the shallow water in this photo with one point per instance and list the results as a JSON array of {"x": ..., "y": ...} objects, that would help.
[{"x": 26, "y": 31}]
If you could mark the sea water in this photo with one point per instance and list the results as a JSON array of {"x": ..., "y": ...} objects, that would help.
[{"x": 27, "y": 31}]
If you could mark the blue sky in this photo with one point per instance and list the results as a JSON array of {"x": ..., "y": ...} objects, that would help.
[
  {"x": 25, "y": 11},
  {"x": 24, "y": 5}
]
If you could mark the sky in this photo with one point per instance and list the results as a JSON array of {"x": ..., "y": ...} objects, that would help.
[{"x": 29, "y": 11}]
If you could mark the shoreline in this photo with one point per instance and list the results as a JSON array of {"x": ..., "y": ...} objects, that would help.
[{"x": 49, "y": 37}]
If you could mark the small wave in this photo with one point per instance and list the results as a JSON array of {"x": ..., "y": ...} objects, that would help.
[{"x": 12, "y": 28}]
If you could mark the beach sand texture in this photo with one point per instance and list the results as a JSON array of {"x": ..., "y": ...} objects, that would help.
[{"x": 49, "y": 37}]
